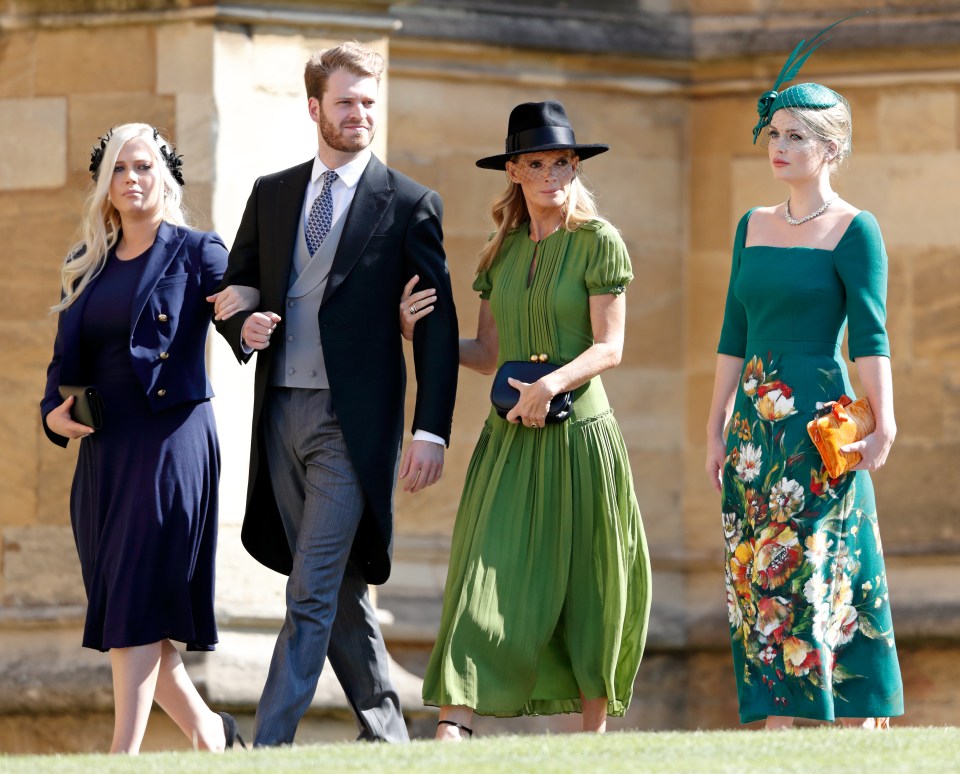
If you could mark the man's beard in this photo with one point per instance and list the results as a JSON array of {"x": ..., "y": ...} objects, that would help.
[{"x": 332, "y": 136}]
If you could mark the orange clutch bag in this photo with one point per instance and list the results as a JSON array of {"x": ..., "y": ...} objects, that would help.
[{"x": 844, "y": 422}]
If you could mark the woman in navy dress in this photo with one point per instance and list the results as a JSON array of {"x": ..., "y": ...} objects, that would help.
[{"x": 133, "y": 320}]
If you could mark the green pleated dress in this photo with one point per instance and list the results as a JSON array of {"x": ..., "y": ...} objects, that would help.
[
  {"x": 548, "y": 589},
  {"x": 807, "y": 595}
]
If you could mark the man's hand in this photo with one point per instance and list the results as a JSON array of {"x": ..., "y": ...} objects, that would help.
[
  {"x": 422, "y": 465},
  {"x": 257, "y": 328}
]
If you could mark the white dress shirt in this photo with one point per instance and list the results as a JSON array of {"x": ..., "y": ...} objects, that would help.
[{"x": 343, "y": 189}]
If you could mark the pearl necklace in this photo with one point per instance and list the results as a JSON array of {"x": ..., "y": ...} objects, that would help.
[{"x": 796, "y": 222}]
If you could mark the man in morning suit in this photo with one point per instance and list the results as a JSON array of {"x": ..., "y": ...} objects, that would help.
[{"x": 330, "y": 245}]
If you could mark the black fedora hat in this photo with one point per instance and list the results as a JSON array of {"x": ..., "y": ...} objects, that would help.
[{"x": 539, "y": 126}]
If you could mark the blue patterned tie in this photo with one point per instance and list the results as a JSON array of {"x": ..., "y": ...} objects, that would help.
[{"x": 321, "y": 214}]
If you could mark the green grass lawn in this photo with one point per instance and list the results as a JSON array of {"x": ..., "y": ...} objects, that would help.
[{"x": 807, "y": 750}]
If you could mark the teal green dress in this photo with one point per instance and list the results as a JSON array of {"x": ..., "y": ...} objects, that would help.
[
  {"x": 807, "y": 595},
  {"x": 548, "y": 589}
]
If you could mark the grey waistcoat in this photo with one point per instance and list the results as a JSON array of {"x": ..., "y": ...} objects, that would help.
[{"x": 299, "y": 359}]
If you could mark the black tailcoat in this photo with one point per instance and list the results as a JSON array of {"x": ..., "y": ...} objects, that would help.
[{"x": 393, "y": 231}]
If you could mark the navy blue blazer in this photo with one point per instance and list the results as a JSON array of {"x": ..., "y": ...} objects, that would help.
[{"x": 169, "y": 320}]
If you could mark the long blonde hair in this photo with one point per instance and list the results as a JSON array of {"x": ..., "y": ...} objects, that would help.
[
  {"x": 509, "y": 212},
  {"x": 100, "y": 226}
]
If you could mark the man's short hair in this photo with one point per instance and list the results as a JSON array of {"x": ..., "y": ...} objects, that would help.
[{"x": 350, "y": 56}]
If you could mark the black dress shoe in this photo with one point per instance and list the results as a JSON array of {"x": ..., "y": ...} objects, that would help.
[{"x": 231, "y": 732}]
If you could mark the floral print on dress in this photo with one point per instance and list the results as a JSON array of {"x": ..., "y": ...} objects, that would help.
[{"x": 794, "y": 543}]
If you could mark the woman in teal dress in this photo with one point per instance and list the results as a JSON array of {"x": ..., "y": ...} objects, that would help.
[
  {"x": 807, "y": 595},
  {"x": 548, "y": 590}
]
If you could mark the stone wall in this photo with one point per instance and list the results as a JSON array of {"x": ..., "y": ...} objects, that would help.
[{"x": 224, "y": 82}]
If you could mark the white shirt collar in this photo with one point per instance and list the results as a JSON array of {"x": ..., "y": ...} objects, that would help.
[{"x": 349, "y": 173}]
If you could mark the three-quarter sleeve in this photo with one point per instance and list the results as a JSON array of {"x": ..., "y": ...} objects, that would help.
[
  {"x": 733, "y": 334},
  {"x": 861, "y": 263},
  {"x": 608, "y": 265}
]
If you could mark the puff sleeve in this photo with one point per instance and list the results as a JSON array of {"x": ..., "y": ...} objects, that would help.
[
  {"x": 608, "y": 264},
  {"x": 483, "y": 285},
  {"x": 861, "y": 263},
  {"x": 733, "y": 334}
]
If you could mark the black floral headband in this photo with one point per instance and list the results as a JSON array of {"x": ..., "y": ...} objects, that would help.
[{"x": 169, "y": 153}]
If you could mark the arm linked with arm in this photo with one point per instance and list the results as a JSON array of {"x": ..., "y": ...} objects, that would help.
[
  {"x": 243, "y": 268},
  {"x": 435, "y": 338}
]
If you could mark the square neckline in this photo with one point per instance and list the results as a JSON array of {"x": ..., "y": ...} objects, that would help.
[{"x": 833, "y": 249}]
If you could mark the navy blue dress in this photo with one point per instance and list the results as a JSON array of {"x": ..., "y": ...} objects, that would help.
[{"x": 144, "y": 499}]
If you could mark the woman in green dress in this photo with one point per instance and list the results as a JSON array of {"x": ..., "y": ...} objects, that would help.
[
  {"x": 807, "y": 592},
  {"x": 548, "y": 590}
]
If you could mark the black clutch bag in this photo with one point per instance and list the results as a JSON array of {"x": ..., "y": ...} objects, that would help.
[
  {"x": 504, "y": 397},
  {"x": 87, "y": 408}
]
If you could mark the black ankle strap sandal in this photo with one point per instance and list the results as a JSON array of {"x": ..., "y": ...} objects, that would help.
[
  {"x": 231, "y": 732},
  {"x": 455, "y": 724}
]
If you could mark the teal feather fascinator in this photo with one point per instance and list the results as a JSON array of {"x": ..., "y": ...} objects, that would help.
[{"x": 802, "y": 95}]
